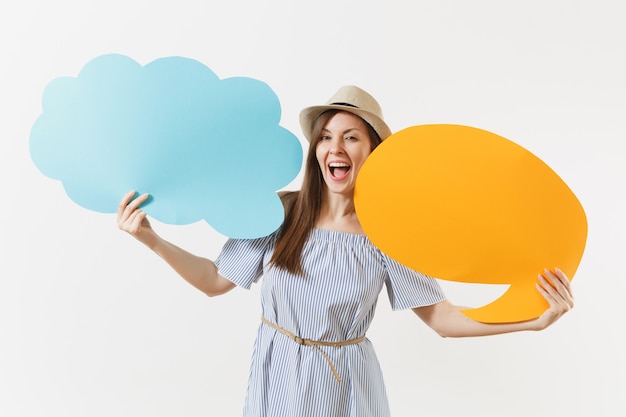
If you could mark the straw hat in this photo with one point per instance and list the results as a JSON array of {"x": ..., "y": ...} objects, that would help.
[{"x": 351, "y": 99}]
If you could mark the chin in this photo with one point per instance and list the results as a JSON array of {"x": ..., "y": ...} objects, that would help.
[{"x": 345, "y": 191}]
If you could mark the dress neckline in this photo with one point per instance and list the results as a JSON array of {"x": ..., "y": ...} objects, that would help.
[{"x": 337, "y": 236}]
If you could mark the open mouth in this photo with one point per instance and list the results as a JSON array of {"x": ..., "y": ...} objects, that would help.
[{"x": 338, "y": 170}]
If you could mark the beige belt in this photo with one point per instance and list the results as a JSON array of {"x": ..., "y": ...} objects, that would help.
[{"x": 315, "y": 343}]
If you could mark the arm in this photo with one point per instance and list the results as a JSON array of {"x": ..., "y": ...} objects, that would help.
[
  {"x": 199, "y": 272},
  {"x": 448, "y": 321}
]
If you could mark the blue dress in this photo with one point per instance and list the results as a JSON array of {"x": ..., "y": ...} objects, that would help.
[{"x": 334, "y": 300}]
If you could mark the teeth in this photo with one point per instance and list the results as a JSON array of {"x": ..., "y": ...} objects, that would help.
[{"x": 338, "y": 165}]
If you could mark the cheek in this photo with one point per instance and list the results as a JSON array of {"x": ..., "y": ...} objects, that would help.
[
  {"x": 319, "y": 156},
  {"x": 358, "y": 164},
  {"x": 360, "y": 160}
]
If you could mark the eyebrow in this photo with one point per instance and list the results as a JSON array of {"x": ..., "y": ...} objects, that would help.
[{"x": 344, "y": 132}]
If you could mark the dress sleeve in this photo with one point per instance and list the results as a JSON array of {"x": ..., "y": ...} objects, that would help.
[
  {"x": 241, "y": 260},
  {"x": 407, "y": 288}
]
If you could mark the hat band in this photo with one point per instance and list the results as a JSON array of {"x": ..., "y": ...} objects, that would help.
[{"x": 344, "y": 104}]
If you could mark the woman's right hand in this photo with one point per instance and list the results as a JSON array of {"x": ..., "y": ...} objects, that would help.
[{"x": 133, "y": 220}]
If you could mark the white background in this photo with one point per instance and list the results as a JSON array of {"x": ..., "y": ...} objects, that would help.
[{"x": 93, "y": 324}]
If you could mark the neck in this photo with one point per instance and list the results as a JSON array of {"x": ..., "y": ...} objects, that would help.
[
  {"x": 337, "y": 213},
  {"x": 337, "y": 205}
]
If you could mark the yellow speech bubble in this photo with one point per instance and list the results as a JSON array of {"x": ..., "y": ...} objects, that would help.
[{"x": 463, "y": 204}]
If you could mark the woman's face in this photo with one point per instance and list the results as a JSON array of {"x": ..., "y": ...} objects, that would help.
[{"x": 343, "y": 146}]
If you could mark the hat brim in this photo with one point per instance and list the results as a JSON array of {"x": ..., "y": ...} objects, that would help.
[{"x": 310, "y": 114}]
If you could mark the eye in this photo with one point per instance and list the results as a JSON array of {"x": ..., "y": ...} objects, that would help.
[
  {"x": 324, "y": 137},
  {"x": 351, "y": 138}
]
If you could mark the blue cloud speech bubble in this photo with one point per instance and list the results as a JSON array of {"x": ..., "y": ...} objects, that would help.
[{"x": 203, "y": 147}]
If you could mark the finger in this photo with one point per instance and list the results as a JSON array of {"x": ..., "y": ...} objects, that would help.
[
  {"x": 555, "y": 309},
  {"x": 136, "y": 203},
  {"x": 555, "y": 280},
  {"x": 546, "y": 286},
  {"x": 128, "y": 204},
  {"x": 137, "y": 220},
  {"x": 123, "y": 212},
  {"x": 124, "y": 202},
  {"x": 562, "y": 285},
  {"x": 558, "y": 299},
  {"x": 564, "y": 280},
  {"x": 557, "y": 276},
  {"x": 552, "y": 289},
  {"x": 133, "y": 221},
  {"x": 126, "y": 219},
  {"x": 543, "y": 292}
]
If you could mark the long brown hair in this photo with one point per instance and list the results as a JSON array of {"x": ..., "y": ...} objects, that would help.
[{"x": 302, "y": 208}]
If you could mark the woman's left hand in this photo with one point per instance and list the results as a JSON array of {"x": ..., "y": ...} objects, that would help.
[{"x": 556, "y": 289}]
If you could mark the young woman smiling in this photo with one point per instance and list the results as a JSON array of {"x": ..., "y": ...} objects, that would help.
[{"x": 322, "y": 277}]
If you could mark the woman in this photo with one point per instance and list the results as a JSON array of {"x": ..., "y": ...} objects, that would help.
[{"x": 322, "y": 277}]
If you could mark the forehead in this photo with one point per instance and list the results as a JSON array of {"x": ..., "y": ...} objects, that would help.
[{"x": 343, "y": 121}]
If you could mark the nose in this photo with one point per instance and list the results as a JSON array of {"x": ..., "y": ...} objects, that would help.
[{"x": 335, "y": 147}]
